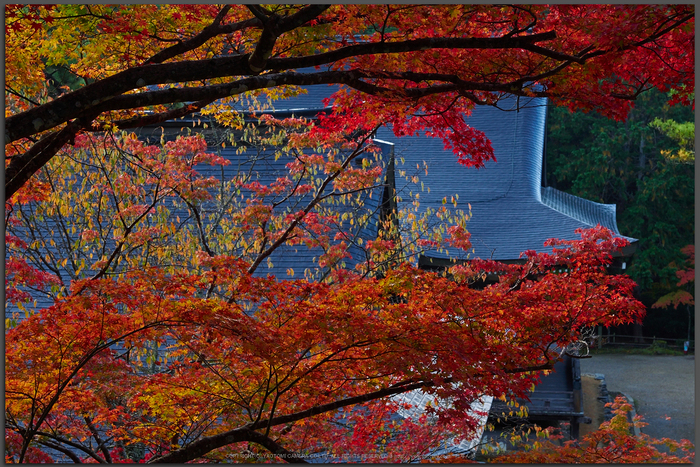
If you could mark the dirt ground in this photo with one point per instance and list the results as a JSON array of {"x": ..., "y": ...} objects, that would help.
[{"x": 662, "y": 386}]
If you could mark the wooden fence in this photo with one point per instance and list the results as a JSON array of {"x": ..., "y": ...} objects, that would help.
[{"x": 604, "y": 339}]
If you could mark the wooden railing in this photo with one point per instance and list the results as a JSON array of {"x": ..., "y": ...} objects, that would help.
[{"x": 604, "y": 339}]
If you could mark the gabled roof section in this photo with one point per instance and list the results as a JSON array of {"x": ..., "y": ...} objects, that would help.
[
  {"x": 584, "y": 210},
  {"x": 511, "y": 211},
  {"x": 419, "y": 400}
]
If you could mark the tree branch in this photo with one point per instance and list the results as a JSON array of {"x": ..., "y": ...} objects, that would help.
[
  {"x": 657, "y": 35},
  {"x": 202, "y": 446},
  {"x": 352, "y": 78},
  {"x": 274, "y": 27},
  {"x": 213, "y": 30},
  {"x": 259, "y": 12},
  {"x": 318, "y": 197},
  {"x": 22, "y": 167},
  {"x": 73, "y": 104},
  {"x": 63, "y": 441},
  {"x": 65, "y": 451},
  {"x": 414, "y": 45},
  {"x": 153, "y": 119},
  {"x": 100, "y": 444},
  {"x": 276, "y": 448}
]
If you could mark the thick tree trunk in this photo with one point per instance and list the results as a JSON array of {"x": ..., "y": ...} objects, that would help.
[
  {"x": 637, "y": 332},
  {"x": 642, "y": 158}
]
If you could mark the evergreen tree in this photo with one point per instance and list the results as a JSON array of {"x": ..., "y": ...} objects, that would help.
[{"x": 646, "y": 166}]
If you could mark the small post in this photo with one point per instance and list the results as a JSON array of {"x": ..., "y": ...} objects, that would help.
[{"x": 600, "y": 337}]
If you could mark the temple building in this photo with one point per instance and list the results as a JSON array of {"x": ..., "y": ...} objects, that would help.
[{"x": 511, "y": 212}]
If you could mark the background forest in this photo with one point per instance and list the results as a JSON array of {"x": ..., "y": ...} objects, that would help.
[{"x": 646, "y": 166}]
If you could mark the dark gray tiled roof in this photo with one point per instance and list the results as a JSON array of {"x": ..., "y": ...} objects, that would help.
[
  {"x": 511, "y": 212},
  {"x": 266, "y": 168},
  {"x": 590, "y": 212},
  {"x": 419, "y": 401}
]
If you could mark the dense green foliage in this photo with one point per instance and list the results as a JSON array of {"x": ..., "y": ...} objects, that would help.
[{"x": 635, "y": 165}]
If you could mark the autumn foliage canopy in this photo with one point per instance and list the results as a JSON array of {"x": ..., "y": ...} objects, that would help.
[{"x": 157, "y": 335}]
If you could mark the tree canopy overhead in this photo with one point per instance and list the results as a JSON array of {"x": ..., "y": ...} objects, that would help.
[
  {"x": 413, "y": 66},
  {"x": 160, "y": 341}
]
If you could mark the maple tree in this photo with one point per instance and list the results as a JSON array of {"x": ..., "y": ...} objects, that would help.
[
  {"x": 683, "y": 293},
  {"x": 164, "y": 341},
  {"x": 686, "y": 276}
]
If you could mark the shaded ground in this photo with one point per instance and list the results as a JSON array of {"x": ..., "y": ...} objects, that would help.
[{"x": 661, "y": 385}]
